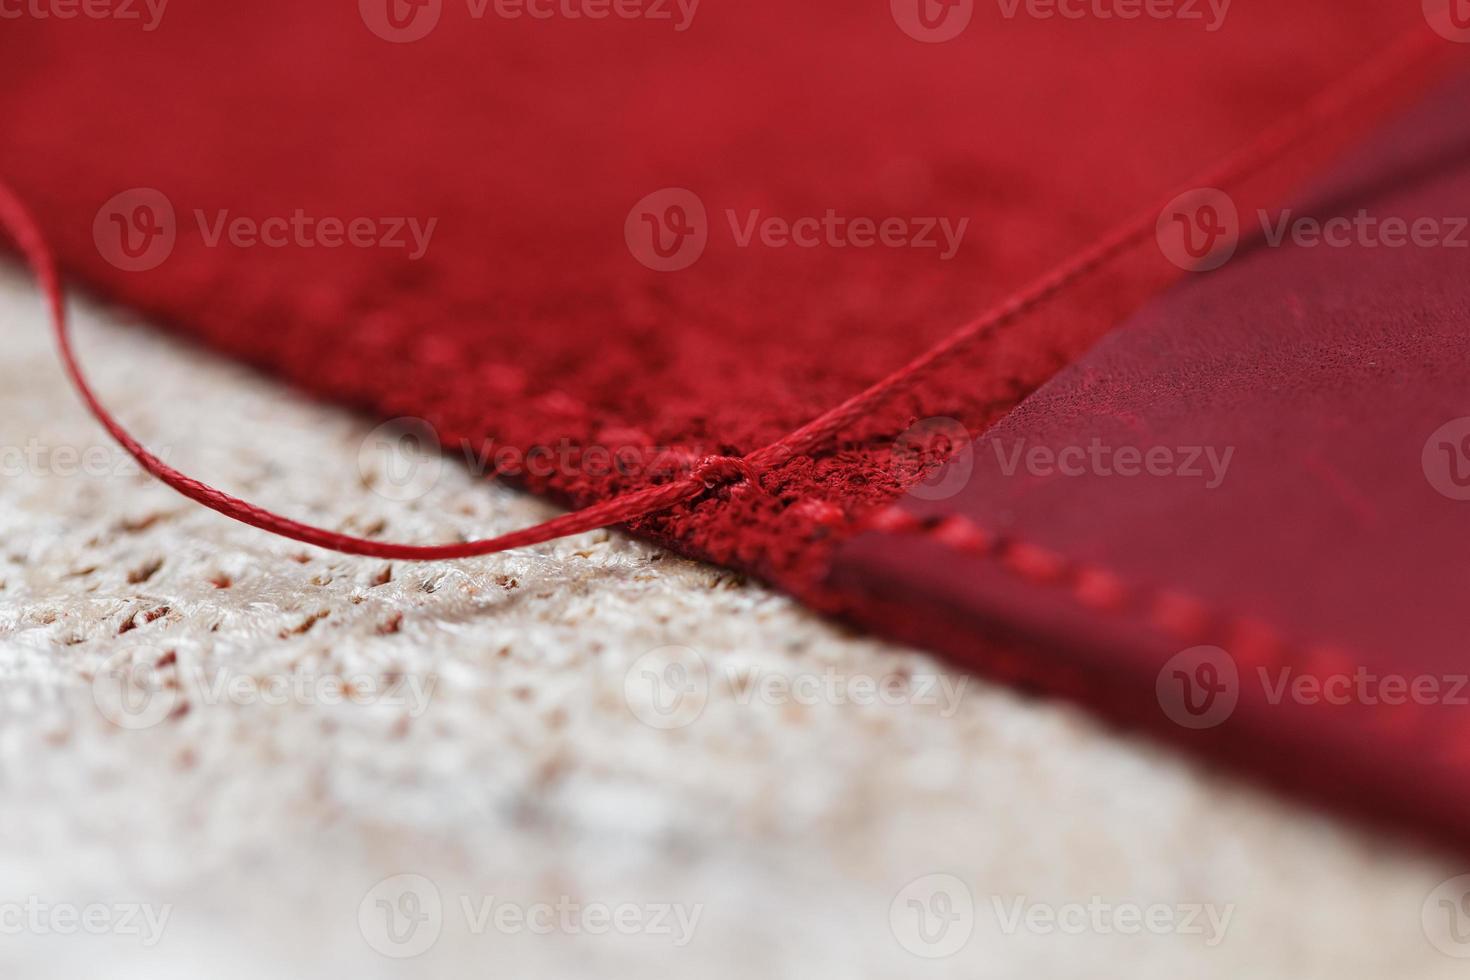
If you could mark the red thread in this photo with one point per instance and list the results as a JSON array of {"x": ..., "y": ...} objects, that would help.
[
  {"x": 1034, "y": 563},
  {"x": 1181, "y": 615},
  {"x": 714, "y": 471},
  {"x": 1100, "y": 589},
  {"x": 964, "y": 536},
  {"x": 1254, "y": 644},
  {"x": 1167, "y": 611}
]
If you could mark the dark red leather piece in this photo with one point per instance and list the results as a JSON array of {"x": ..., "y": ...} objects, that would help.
[
  {"x": 529, "y": 321},
  {"x": 1325, "y": 551}
]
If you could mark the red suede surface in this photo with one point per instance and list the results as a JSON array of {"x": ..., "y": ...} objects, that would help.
[
  {"x": 1332, "y": 544},
  {"x": 530, "y": 323}
]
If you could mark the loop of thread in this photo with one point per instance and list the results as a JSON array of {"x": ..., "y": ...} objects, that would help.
[
  {"x": 715, "y": 470},
  {"x": 711, "y": 471}
]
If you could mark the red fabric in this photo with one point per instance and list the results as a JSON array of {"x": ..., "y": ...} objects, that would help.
[
  {"x": 1329, "y": 542},
  {"x": 529, "y": 321},
  {"x": 142, "y": 235}
]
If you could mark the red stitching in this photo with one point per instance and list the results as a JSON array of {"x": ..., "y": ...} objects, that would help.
[
  {"x": 1253, "y": 643},
  {"x": 1170, "y": 611},
  {"x": 1185, "y": 617}
]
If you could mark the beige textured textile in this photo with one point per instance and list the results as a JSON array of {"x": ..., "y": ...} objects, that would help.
[{"x": 793, "y": 828}]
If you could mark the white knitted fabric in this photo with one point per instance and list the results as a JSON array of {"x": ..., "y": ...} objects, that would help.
[{"x": 780, "y": 832}]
